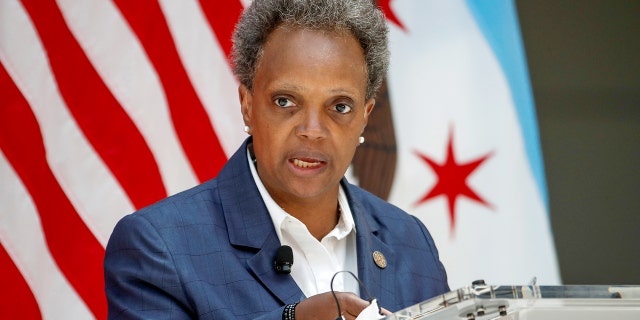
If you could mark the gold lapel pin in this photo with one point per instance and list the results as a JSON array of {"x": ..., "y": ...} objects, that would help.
[{"x": 379, "y": 259}]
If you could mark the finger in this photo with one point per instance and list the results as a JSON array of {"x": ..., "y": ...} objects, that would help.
[
  {"x": 351, "y": 305},
  {"x": 351, "y": 302},
  {"x": 385, "y": 312}
]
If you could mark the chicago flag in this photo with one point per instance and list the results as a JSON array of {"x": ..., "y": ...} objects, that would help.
[
  {"x": 108, "y": 106},
  {"x": 469, "y": 160}
]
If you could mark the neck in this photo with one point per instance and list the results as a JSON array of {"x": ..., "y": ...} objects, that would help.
[{"x": 319, "y": 218}]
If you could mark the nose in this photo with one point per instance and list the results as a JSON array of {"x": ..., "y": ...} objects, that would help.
[{"x": 312, "y": 124}]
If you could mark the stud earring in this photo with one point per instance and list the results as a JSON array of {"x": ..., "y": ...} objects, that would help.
[
  {"x": 361, "y": 140},
  {"x": 247, "y": 129}
]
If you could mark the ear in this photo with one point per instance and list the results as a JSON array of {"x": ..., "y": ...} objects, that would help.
[
  {"x": 368, "y": 107},
  {"x": 246, "y": 103}
]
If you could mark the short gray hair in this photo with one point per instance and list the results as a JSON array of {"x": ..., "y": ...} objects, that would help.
[{"x": 360, "y": 17}]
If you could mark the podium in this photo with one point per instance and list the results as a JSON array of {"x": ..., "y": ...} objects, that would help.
[{"x": 529, "y": 302}]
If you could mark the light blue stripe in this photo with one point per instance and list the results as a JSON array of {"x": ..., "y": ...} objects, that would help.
[{"x": 498, "y": 22}]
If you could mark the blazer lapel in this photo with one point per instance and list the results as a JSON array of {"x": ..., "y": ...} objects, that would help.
[
  {"x": 378, "y": 278},
  {"x": 281, "y": 285},
  {"x": 249, "y": 225}
]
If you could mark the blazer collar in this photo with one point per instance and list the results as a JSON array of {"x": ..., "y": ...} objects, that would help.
[
  {"x": 379, "y": 280},
  {"x": 250, "y": 227}
]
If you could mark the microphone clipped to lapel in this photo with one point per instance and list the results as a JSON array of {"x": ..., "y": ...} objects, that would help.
[{"x": 283, "y": 260}]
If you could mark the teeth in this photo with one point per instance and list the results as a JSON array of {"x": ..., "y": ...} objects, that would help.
[{"x": 304, "y": 164}]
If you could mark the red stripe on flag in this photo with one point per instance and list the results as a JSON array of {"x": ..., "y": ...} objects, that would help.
[
  {"x": 74, "y": 248},
  {"x": 222, "y": 17},
  {"x": 190, "y": 120},
  {"x": 98, "y": 114},
  {"x": 17, "y": 300}
]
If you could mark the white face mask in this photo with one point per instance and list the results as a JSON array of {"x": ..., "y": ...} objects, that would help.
[{"x": 371, "y": 312}]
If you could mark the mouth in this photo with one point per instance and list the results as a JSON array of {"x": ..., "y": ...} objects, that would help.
[{"x": 310, "y": 164}]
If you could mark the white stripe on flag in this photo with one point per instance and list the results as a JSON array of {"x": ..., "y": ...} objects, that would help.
[
  {"x": 208, "y": 69},
  {"x": 89, "y": 185},
  {"x": 21, "y": 235},
  {"x": 132, "y": 80}
]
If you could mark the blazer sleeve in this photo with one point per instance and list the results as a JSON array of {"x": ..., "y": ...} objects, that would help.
[
  {"x": 141, "y": 281},
  {"x": 436, "y": 256}
]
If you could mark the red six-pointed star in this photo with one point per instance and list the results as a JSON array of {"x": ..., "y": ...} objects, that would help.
[
  {"x": 385, "y": 5},
  {"x": 452, "y": 180}
]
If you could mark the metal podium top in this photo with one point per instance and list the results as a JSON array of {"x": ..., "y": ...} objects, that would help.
[{"x": 529, "y": 302}]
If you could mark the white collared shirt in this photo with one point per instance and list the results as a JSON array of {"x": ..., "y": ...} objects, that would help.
[{"x": 315, "y": 262}]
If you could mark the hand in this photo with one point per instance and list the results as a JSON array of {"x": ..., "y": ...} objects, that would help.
[{"x": 323, "y": 306}]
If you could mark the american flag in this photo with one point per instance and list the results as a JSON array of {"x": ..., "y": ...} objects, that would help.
[{"x": 105, "y": 107}]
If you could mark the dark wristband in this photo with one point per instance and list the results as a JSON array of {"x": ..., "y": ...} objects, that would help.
[{"x": 289, "y": 312}]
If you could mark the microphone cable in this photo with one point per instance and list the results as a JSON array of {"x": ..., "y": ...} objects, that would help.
[{"x": 362, "y": 287}]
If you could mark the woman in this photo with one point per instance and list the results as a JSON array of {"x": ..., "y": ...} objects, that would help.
[{"x": 308, "y": 74}]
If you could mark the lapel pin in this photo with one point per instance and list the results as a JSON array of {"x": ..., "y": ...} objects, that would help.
[{"x": 379, "y": 259}]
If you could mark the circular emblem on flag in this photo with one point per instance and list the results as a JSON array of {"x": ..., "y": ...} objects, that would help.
[{"x": 379, "y": 259}]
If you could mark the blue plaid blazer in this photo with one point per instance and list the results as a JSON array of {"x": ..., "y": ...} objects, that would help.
[{"x": 207, "y": 253}]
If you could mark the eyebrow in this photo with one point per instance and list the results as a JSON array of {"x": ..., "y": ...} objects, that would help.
[
  {"x": 289, "y": 86},
  {"x": 342, "y": 91},
  {"x": 295, "y": 87}
]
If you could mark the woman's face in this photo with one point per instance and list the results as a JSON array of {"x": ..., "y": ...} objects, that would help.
[{"x": 306, "y": 112}]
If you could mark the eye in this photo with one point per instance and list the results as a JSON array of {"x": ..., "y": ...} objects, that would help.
[
  {"x": 342, "y": 108},
  {"x": 283, "y": 102}
]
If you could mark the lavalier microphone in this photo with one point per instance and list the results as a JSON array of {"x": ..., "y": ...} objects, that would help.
[{"x": 284, "y": 260}]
